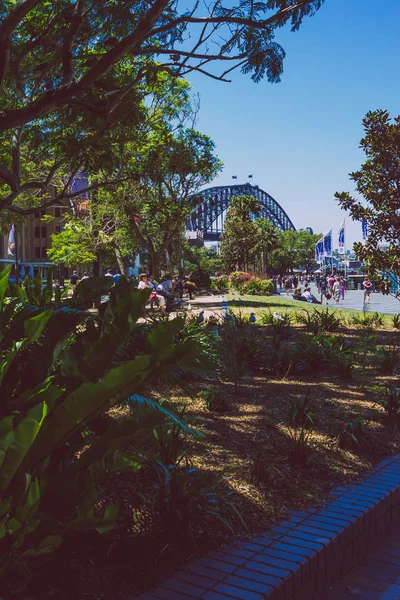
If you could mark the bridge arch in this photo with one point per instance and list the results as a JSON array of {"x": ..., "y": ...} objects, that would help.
[{"x": 207, "y": 216}]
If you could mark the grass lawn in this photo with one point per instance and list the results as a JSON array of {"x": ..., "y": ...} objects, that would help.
[{"x": 260, "y": 304}]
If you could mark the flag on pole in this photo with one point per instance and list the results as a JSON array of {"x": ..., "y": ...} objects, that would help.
[
  {"x": 234, "y": 176},
  {"x": 319, "y": 250},
  {"x": 328, "y": 244},
  {"x": 364, "y": 227},
  {"x": 341, "y": 238},
  {"x": 11, "y": 242},
  {"x": 250, "y": 176}
]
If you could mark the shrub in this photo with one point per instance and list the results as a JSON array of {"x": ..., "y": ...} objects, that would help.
[
  {"x": 242, "y": 351},
  {"x": 256, "y": 286},
  {"x": 191, "y": 502},
  {"x": 200, "y": 278},
  {"x": 301, "y": 410},
  {"x": 238, "y": 279},
  {"x": 354, "y": 434},
  {"x": 51, "y": 461},
  {"x": 367, "y": 320},
  {"x": 299, "y": 452},
  {"x": 321, "y": 351},
  {"x": 280, "y": 357},
  {"x": 388, "y": 359},
  {"x": 396, "y": 321},
  {"x": 310, "y": 352},
  {"x": 214, "y": 398},
  {"x": 220, "y": 283},
  {"x": 391, "y": 405},
  {"x": 319, "y": 320}
]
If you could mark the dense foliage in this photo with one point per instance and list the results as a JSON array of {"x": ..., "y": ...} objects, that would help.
[
  {"x": 377, "y": 183},
  {"x": 57, "y": 376}
]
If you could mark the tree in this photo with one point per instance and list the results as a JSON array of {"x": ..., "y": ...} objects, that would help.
[
  {"x": 81, "y": 60},
  {"x": 150, "y": 209},
  {"x": 378, "y": 184},
  {"x": 170, "y": 170},
  {"x": 240, "y": 233},
  {"x": 295, "y": 250},
  {"x": 266, "y": 241}
]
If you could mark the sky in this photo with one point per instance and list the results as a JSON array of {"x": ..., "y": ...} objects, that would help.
[{"x": 300, "y": 138}]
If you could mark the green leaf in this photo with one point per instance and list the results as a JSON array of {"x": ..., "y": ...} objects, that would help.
[
  {"x": 87, "y": 520},
  {"x": 18, "y": 443},
  {"x": 4, "y": 274},
  {"x": 45, "y": 546},
  {"x": 86, "y": 402},
  {"x": 34, "y": 327},
  {"x": 89, "y": 290}
]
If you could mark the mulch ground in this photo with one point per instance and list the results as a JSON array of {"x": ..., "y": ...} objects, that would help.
[{"x": 252, "y": 447}]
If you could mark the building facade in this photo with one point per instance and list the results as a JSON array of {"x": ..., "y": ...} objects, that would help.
[{"x": 34, "y": 236}]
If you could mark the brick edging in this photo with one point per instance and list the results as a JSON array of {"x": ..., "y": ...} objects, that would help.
[{"x": 300, "y": 557}]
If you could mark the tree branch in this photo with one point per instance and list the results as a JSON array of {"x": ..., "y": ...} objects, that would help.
[
  {"x": 76, "y": 22},
  {"x": 6, "y": 30}
]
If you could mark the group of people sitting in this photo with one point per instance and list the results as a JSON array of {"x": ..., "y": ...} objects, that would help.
[
  {"x": 168, "y": 294},
  {"x": 305, "y": 296}
]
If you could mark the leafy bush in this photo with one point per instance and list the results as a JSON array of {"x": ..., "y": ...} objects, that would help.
[
  {"x": 221, "y": 283},
  {"x": 390, "y": 402},
  {"x": 280, "y": 357},
  {"x": 242, "y": 350},
  {"x": 238, "y": 279},
  {"x": 51, "y": 461},
  {"x": 300, "y": 449},
  {"x": 256, "y": 286},
  {"x": 396, "y": 321},
  {"x": 319, "y": 320},
  {"x": 388, "y": 359},
  {"x": 201, "y": 278},
  {"x": 321, "y": 351},
  {"x": 214, "y": 398},
  {"x": 367, "y": 320},
  {"x": 354, "y": 434},
  {"x": 301, "y": 410},
  {"x": 310, "y": 352},
  {"x": 190, "y": 502}
]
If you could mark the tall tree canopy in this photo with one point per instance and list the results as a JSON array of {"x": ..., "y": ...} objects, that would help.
[
  {"x": 241, "y": 236},
  {"x": 80, "y": 62},
  {"x": 377, "y": 185},
  {"x": 295, "y": 250}
]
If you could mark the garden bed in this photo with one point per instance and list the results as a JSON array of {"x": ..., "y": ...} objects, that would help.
[{"x": 276, "y": 443}]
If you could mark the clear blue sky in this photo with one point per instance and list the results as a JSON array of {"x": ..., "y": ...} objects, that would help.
[{"x": 300, "y": 138}]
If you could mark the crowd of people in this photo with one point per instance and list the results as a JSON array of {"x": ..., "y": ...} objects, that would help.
[
  {"x": 328, "y": 287},
  {"x": 166, "y": 295}
]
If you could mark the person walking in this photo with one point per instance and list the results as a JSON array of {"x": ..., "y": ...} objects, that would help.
[
  {"x": 74, "y": 280},
  {"x": 336, "y": 290},
  {"x": 287, "y": 286},
  {"x": 342, "y": 287},
  {"x": 367, "y": 290}
]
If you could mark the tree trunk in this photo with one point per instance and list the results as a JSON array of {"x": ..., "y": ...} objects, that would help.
[
  {"x": 120, "y": 261},
  {"x": 155, "y": 265},
  {"x": 168, "y": 261}
]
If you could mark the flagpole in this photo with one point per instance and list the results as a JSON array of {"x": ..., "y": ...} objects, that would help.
[
  {"x": 16, "y": 254},
  {"x": 345, "y": 250}
]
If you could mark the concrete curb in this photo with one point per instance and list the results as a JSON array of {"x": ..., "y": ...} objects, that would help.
[{"x": 301, "y": 557}]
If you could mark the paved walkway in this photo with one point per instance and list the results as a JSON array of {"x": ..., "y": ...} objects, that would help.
[
  {"x": 377, "y": 577},
  {"x": 353, "y": 299}
]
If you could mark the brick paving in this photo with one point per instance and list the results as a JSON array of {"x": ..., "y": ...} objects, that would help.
[
  {"x": 310, "y": 551},
  {"x": 376, "y": 577}
]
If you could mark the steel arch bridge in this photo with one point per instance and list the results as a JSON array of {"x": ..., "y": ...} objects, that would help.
[{"x": 207, "y": 216}]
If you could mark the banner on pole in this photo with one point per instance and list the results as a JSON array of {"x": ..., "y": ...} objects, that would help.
[
  {"x": 341, "y": 238},
  {"x": 319, "y": 250},
  {"x": 328, "y": 244},
  {"x": 11, "y": 242},
  {"x": 364, "y": 227}
]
